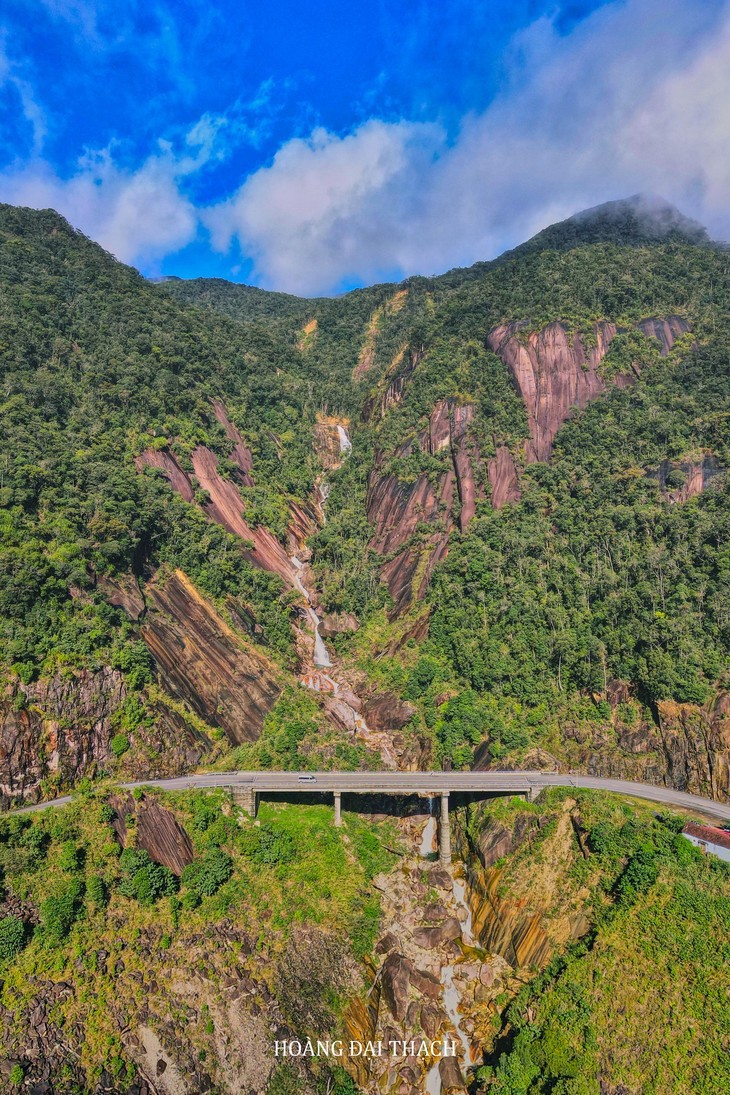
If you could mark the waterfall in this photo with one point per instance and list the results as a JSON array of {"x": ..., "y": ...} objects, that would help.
[
  {"x": 345, "y": 443},
  {"x": 451, "y": 994},
  {"x": 321, "y": 657},
  {"x": 429, "y": 832}
]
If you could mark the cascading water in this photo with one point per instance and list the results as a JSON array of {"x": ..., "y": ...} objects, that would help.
[
  {"x": 344, "y": 438},
  {"x": 427, "y": 839},
  {"x": 452, "y": 995}
]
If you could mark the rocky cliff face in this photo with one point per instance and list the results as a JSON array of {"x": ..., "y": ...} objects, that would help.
[
  {"x": 694, "y": 474},
  {"x": 156, "y": 831},
  {"x": 556, "y": 370},
  {"x": 56, "y": 730},
  {"x": 524, "y": 915},
  {"x": 241, "y": 454},
  {"x": 687, "y": 747},
  {"x": 402, "y": 511},
  {"x": 224, "y": 506},
  {"x": 202, "y": 661}
]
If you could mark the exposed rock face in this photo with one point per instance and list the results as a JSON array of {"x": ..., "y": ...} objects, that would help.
[
  {"x": 524, "y": 927},
  {"x": 241, "y": 454},
  {"x": 165, "y": 462},
  {"x": 497, "y": 840},
  {"x": 434, "y": 937},
  {"x": 327, "y": 441},
  {"x": 688, "y": 747},
  {"x": 60, "y": 729},
  {"x": 157, "y": 831},
  {"x": 338, "y": 623},
  {"x": 398, "y": 509},
  {"x": 203, "y": 662},
  {"x": 555, "y": 371},
  {"x": 665, "y": 331},
  {"x": 225, "y": 506},
  {"x": 303, "y": 523},
  {"x": 503, "y": 480},
  {"x": 697, "y": 473},
  {"x": 696, "y": 746},
  {"x": 385, "y": 712},
  {"x": 60, "y": 726},
  {"x": 123, "y": 591},
  {"x": 395, "y": 981}
]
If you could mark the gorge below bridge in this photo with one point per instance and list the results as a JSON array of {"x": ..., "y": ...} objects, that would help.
[{"x": 246, "y": 787}]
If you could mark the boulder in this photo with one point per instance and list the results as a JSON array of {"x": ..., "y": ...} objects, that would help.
[
  {"x": 338, "y": 623},
  {"x": 434, "y": 937},
  {"x": 395, "y": 980}
]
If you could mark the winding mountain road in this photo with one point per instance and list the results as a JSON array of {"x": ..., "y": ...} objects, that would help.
[{"x": 496, "y": 783}]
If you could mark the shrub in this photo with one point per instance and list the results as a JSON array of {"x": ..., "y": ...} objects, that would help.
[
  {"x": 208, "y": 873},
  {"x": 106, "y": 813},
  {"x": 97, "y": 892},
  {"x": 70, "y": 855},
  {"x": 119, "y": 744},
  {"x": 59, "y": 913},
  {"x": 639, "y": 876},
  {"x": 267, "y": 846},
  {"x": 16, "y": 1075},
  {"x": 144, "y": 879},
  {"x": 12, "y": 937}
]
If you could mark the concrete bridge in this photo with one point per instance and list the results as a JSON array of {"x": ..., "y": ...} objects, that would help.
[{"x": 246, "y": 787}]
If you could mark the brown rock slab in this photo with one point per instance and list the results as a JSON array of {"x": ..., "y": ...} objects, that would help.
[{"x": 434, "y": 937}]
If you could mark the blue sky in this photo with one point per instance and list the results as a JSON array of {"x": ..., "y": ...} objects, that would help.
[{"x": 312, "y": 147}]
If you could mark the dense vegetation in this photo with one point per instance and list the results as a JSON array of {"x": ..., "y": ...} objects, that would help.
[
  {"x": 594, "y": 575},
  {"x": 108, "y": 920},
  {"x": 640, "y": 1003}
]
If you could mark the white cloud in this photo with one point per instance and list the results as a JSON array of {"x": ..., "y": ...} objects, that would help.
[
  {"x": 320, "y": 210},
  {"x": 33, "y": 113},
  {"x": 635, "y": 98},
  {"x": 137, "y": 215}
]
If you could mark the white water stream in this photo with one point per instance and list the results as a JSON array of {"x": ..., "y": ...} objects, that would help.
[
  {"x": 320, "y": 654},
  {"x": 344, "y": 438},
  {"x": 451, "y": 994}
]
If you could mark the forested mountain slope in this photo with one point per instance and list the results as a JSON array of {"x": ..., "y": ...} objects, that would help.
[
  {"x": 540, "y": 456},
  {"x": 524, "y": 557}
]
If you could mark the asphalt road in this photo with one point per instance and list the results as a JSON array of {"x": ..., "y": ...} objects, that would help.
[{"x": 425, "y": 783}]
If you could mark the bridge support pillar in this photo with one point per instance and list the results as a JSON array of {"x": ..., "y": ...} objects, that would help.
[
  {"x": 338, "y": 808},
  {"x": 532, "y": 793},
  {"x": 444, "y": 832},
  {"x": 246, "y": 798}
]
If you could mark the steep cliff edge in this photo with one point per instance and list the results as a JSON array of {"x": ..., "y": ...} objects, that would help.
[
  {"x": 413, "y": 519},
  {"x": 202, "y": 661},
  {"x": 556, "y": 369}
]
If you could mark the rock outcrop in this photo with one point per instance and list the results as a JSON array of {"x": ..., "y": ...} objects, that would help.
[
  {"x": 503, "y": 479},
  {"x": 694, "y": 474},
  {"x": 556, "y": 370},
  {"x": 157, "y": 831},
  {"x": 203, "y": 662},
  {"x": 58, "y": 729},
  {"x": 526, "y": 921},
  {"x": 225, "y": 506},
  {"x": 665, "y": 331},
  {"x": 402, "y": 510},
  {"x": 241, "y": 454}
]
